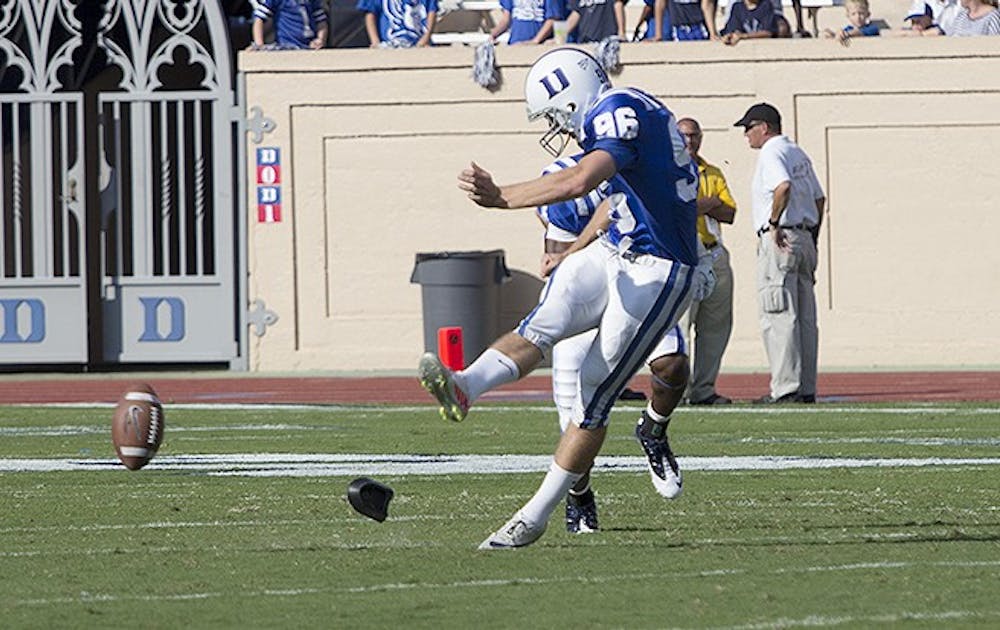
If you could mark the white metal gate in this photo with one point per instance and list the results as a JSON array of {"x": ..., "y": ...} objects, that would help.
[
  {"x": 164, "y": 289},
  {"x": 43, "y": 290}
]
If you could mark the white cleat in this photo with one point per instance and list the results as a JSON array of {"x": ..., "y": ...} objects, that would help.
[
  {"x": 663, "y": 468},
  {"x": 517, "y": 532},
  {"x": 438, "y": 380},
  {"x": 669, "y": 488}
]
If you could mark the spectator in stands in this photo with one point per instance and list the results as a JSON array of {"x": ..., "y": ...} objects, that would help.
[
  {"x": 529, "y": 21},
  {"x": 594, "y": 20},
  {"x": 931, "y": 16},
  {"x": 859, "y": 23},
  {"x": 977, "y": 17},
  {"x": 654, "y": 22},
  {"x": 399, "y": 23},
  {"x": 687, "y": 21},
  {"x": 298, "y": 24},
  {"x": 751, "y": 19}
]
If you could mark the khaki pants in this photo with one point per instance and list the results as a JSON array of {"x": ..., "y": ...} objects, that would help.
[
  {"x": 708, "y": 324},
  {"x": 787, "y": 306}
]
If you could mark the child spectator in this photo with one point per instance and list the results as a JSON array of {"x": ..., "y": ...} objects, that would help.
[
  {"x": 529, "y": 21},
  {"x": 750, "y": 19},
  {"x": 298, "y": 24},
  {"x": 399, "y": 23},
  {"x": 859, "y": 23},
  {"x": 594, "y": 20},
  {"x": 932, "y": 15}
]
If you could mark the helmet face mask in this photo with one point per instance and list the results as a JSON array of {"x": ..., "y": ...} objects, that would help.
[
  {"x": 560, "y": 130},
  {"x": 560, "y": 87}
]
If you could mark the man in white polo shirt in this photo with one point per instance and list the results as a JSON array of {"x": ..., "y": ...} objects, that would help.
[{"x": 788, "y": 207}]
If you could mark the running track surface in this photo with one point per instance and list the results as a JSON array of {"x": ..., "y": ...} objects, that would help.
[{"x": 978, "y": 386}]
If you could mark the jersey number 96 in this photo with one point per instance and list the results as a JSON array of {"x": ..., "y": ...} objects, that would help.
[{"x": 622, "y": 123}]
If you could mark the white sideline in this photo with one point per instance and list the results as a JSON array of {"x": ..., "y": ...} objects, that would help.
[
  {"x": 354, "y": 464},
  {"x": 582, "y": 579}
]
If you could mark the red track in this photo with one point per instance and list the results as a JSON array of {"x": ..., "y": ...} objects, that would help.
[{"x": 837, "y": 387}]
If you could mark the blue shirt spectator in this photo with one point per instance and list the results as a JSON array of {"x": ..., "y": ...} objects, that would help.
[
  {"x": 297, "y": 23},
  {"x": 399, "y": 23},
  {"x": 529, "y": 21}
]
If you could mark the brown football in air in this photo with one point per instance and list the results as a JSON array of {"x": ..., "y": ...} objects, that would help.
[{"x": 137, "y": 427}]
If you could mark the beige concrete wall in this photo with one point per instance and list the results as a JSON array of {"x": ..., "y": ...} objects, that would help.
[{"x": 900, "y": 130}]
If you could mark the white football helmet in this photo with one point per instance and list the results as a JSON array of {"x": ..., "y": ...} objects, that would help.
[{"x": 561, "y": 86}]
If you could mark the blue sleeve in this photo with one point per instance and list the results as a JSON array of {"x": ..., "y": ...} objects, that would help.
[
  {"x": 507, "y": 5},
  {"x": 555, "y": 10},
  {"x": 621, "y": 144},
  {"x": 623, "y": 152},
  {"x": 369, "y": 6},
  {"x": 263, "y": 9},
  {"x": 431, "y": 5},
  {"x": 319, "y": 12},
  {"x": 869, "y": 30}
]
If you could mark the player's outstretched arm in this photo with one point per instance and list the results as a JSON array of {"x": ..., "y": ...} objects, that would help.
[{"x": 569, "y": 183}]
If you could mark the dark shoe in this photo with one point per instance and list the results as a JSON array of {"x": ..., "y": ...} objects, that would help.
[
  {"x": 808, "y": 399},
  {"x": 581, "y": 517},
  {"x": 631, "y": 394},
  {"x": 768, "y": 399},
  {"x": 714, "y": 399}
]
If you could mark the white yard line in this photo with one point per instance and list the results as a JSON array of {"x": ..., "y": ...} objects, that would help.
[
  {"x": 354, "y": 464},
  {"x": 817, "y": 621},
  {"x": 529, "y": 581},
  {"x": 929, "y": 408}
]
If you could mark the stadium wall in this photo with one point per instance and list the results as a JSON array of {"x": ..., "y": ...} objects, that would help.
[{"x": 900, "y": 130}]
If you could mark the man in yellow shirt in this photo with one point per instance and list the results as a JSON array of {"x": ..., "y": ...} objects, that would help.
[{"x": 712, "y": 317}]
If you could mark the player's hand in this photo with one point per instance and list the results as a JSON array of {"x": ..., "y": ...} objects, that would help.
[
  {"x": 549, "y": 262},
  {"x": 478, "y": 183}
]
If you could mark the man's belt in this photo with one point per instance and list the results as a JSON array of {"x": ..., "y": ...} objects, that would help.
[{"x": 798, "y": 226}]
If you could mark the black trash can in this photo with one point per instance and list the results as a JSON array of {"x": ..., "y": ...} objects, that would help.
[{"x": 461, "y": 289}]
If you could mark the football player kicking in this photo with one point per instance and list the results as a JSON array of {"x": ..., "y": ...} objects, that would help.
[
  {"x": 632, "y": 283},
  {"x": 565, "y": 222}
]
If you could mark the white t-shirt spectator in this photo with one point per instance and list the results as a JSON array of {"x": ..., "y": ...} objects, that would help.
[{"x": 781, "y": 160}]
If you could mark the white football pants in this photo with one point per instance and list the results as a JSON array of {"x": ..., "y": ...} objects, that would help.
[{"x": 632, "y": 301}]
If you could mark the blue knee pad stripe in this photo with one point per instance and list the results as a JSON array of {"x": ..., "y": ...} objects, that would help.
[{"x": 663, "y": 313}]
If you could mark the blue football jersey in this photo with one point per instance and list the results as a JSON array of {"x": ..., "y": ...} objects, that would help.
[
  {"x": 574, "y": 214},
  {"x": 296, "y": 22},
  {"x": 655, "y": 172}
]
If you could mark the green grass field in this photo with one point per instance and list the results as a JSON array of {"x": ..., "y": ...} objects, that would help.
[{"x": 243, "y": 540}]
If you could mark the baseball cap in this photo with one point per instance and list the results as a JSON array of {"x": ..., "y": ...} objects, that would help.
[
  {"x": 762, "y": 112},
  {"x": 915, "y": 11}
]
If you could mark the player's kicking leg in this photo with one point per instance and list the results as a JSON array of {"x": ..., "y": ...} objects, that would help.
[{"x": 505, "y": 361}]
